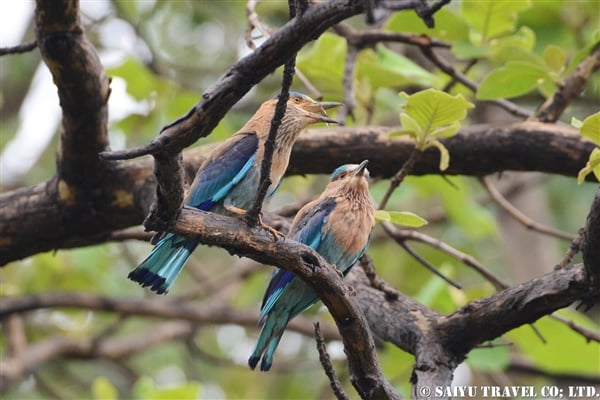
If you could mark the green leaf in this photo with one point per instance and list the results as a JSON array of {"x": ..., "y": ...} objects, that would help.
[
  {"x": 523, "y": 39},
  {"x": 593, "y": 165},
  {"x": 576, "y": 123},
  {"x": 405, "y": 218},
  {"x": 448, "y": 25},
  {"x": 444, "y": 154},
  {"x": 492, "y": 18},
  {"x": 465, "y": 50},
  {"x": 140, "y": 81},
  {"x": 445, "y": 131},
  {"x": 513, "y": 79},
  {"x": 386, "y": 68},
  {"x": 555, "y": 58},
  {"x": 591, "y": 128},
  {"x": 327, "y": 76},
  {"x": 103, "y": 389},
  {"x": 411, "y": 126},
  {"x": 431, "y": 109}
]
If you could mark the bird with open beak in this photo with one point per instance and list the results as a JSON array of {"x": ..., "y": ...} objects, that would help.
[{"x": 228, "y": 180}]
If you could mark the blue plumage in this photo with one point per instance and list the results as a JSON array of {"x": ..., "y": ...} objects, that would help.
[{"x": 338, "y": 226}]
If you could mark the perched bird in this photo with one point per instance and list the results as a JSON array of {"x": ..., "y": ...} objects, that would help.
[
  {"x": 227, "y": 181},
  {"x": 338, "y": 226}
]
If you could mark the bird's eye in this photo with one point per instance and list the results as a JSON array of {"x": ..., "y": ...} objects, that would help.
[{"x": 297, "y": 99}]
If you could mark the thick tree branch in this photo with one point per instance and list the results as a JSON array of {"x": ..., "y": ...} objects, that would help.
[
  {"x": 126, "y": 196},
  {"x": 239, "y": 239},
  {"x": 83, "y": 90},
  {"x": 590, "y": 244},
  {"x": 440, "y": 342}
]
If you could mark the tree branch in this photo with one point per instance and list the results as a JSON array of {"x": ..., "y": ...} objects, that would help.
[
  {"x": 568, "y": 90},
  {"x": 590, "y": 240},
  {"x": 156, "y": 308},
  {"x": 83, "y": 90},
  {"x": 127, "y": 192}
]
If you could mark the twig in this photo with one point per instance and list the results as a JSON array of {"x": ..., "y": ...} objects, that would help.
[
  {"x": 428, "y": 265},
  {"x": 465, "y": 70},
  {"x": 336, "y": 386},
  {"x": 252, "y": 216},
  {"x": 519, "y": 216},
  {"x": 347, "y": 110},
  {"x": 590, "y": 335},
  {"x": 402, "y": 173},
  {"x": 254, "y": 21},
  {"x": 369, "y": 37},
  {"x": 375, "y": 281},
  {"x": 129, "y": 154},
  {"x": 574, "y": 248},
  {"x": 568, "y": 90},
  {"x": 446, "y": 67},
  {"x": 521, "y": 366},
  {"x": 400, "y": 235},
  {"x": 21, "y": 48}
]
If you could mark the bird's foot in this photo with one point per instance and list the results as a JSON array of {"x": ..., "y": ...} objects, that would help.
[
  {"x": 276, "y": 234},
  {"x": 339, "y": 271},
  {"x": 235, "y": 210}
]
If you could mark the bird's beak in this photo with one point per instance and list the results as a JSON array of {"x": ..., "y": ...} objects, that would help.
[
  {"x": 360, "y": 170},
  {"x": 317, "y": 110}
]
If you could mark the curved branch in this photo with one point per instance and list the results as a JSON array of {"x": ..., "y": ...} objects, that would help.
[
  {"x": 440, "y": 342},
  {"x": 83, "y": 90},
  {"x": 590, "y": 240},
  {"x": 239, "y": 239},
  {"x": 568, "y": 90}
]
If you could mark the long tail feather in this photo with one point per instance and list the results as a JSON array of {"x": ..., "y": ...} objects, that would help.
[
  {"x": 162, "y": 266},
  {"x": 268, "y": 339}
]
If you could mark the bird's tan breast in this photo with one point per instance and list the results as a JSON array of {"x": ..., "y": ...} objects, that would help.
[{"x": 351, "y": 224}]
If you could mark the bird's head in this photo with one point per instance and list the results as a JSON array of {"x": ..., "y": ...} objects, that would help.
[
  {"x": 307, "y": 111},
  {"x": 301, "y": 111},
  {"x": 352, "y": 175}
]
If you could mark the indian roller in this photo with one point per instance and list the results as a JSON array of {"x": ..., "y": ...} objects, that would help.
[
  {"x": 338, "y": 226},
  {"x": 228, "y": 180}
]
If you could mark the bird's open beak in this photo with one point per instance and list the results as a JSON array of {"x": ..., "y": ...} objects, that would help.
[
  {"x": 362, "y": 167},
  {"x": 317, "y": 110}
]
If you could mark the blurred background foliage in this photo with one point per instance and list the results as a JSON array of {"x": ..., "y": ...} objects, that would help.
[{"x": 162, "y": 55}]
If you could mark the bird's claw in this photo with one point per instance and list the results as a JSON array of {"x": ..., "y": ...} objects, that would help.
[
  {"x": 339, "y": 271},
  {"x": 235, "y": 210},
  {"x": 276, "y": 234}
]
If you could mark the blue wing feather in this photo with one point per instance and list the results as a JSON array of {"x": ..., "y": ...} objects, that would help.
[
  {"x": 308, "y": 230},
  {"x": 223, "y": 172}
]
